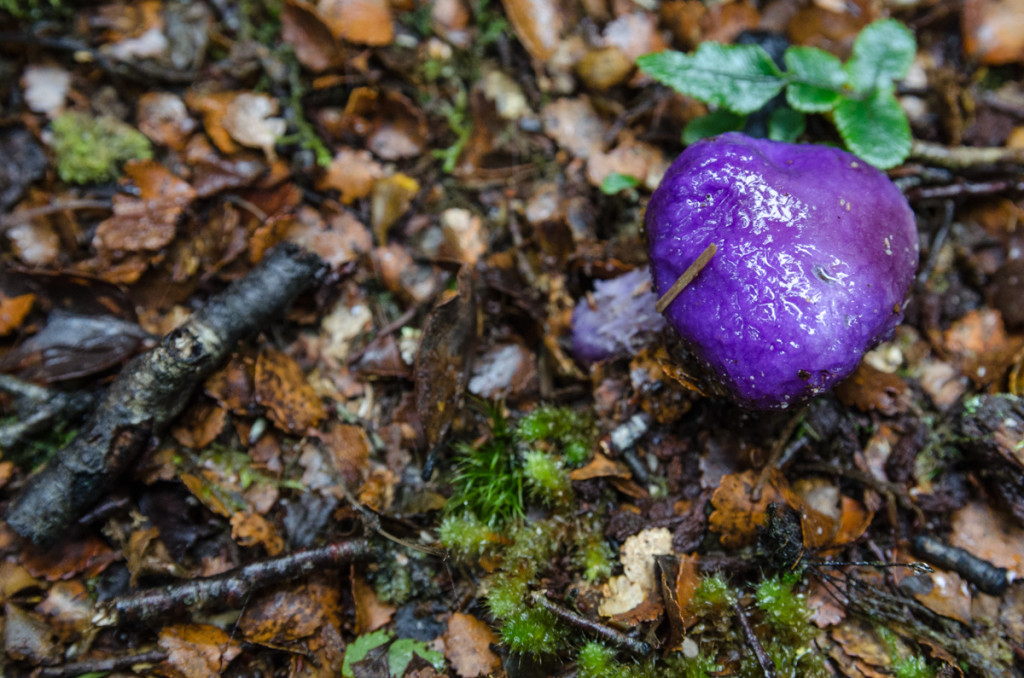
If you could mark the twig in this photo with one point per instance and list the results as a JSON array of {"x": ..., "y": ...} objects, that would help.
[
  {"x": 132, "y": 662},
  {"x": 14, "y": 218},
  {"x": 590, "y": 626},
  {"x": 983, "y": 574},
  {"x": 151, "y": 391},
  {"x": 963, "y": 189},
  {"x": 686, "y": 278},
  {"x": 763, "y": 660},
  {"x": 965, "y": 157},
  {"x": 229, "y": 589}
]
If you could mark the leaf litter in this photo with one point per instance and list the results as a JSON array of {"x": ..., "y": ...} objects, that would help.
[{"x": 452, "y": 164}]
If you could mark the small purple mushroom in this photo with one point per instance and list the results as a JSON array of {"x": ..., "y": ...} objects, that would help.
[
  {"x": 618, "y": 319},
  {"x": 816, "y": 252}
]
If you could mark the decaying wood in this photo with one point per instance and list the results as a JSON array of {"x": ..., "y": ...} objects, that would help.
[
  {"x": 151, "y": 391},
  {"x": 229, "y": 589},
  {"x": 39, "y": 408},
  {"x": 991, "y": 431}
]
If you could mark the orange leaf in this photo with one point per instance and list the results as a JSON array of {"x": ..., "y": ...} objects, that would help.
[
  {"x": 737, "y": 515},
  {"x": 281, "y": 387},
  {"x": 467, "y": 643},
  {"x": 13, "y": 310},
  {"x": 196, "y": 650}
]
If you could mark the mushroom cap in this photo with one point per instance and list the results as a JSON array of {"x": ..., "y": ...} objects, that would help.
[{"x": 816, "y": 253}]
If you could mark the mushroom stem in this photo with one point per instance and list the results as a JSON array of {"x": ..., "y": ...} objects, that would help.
[{"x": 686, "y": 278}]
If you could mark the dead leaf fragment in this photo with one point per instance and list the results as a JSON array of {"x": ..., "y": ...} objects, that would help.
[
  {"x": 538, "y": 25},
  {"x": 150, "y": 221},
  {"x": 282, "y": 617},
  {"x": 392, "y": 197},
  {"x": 248, "y": 118},
  {"x": 364, "y": 22},
  {"x": 371, "y": 613},
  {"x": 196, "y": 650},
  {"x": 164, "y": 118},
  {"x": 575, "y": 125},
  {"x": 737, "y": 516},
  {"x": 467, "y": 643},
  {"x": 281, "y": 387},
  {"x": 305, "y": 31},
  {"x": 250, "y": 529},
  {"x": 352, "y": 173},
  {"x": 13, "y": 311},
  {"x": 443, "y": 360},
  {"x": 45, "y": 87},
  {"x": 637, "y": 583},
  {"x": 993, "y": 30}
]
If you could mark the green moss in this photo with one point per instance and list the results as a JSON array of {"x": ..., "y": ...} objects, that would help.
[
  {"x": 713, "y": 595},
  {"x": 533, "y": 630},
  {"x": 466, "y": 535},
  {"x": 506, "y": 594},
  {"x": 782, "y": 607},
  {"x": 572, "y": 433},
  {"x": 33, "y": 9},
  {"x": 488, "y": 479},
  {"x": 598, "y": 661},
  {"x": 546, "y": 479},
  {"x": 91, "y": 150},
  {"x": 594, "y": 556}
]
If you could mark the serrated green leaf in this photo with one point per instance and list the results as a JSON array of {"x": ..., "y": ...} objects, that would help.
[
  {"x": 716, "y": 122},
  {"x": 741, "y": 78},
  {"x": 816, "y": 79},
  {"x": 615, "y": 182},
  {"x": 876, "y": 129},
  {"x": 883, "y": 52},
  {"x": 360, "y": 647},
  {"x": 786, "y": 124},
  {"x": 402, "y": 650}
]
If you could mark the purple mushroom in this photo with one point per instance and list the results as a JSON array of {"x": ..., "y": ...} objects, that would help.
[
  {"x": 617, "y": 319},
  {"x": 816, "y": 252}
]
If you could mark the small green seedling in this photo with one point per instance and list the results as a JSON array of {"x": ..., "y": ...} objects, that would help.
[
  {"x": 400, "y": 652},
  {"x": 859, "y": 95}
]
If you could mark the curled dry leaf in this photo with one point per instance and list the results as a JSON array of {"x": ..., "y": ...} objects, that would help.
[
  {"x": 248, "y": 118},
  {"x": 538, "y": 25},
  {"x": 371, "y": 613},
  {"x": 304, "y": 29},
  {"x": 392, "y": 197},
  {"x": 45, "y": 88},
  {"x": 628, "y": 596},
  {"x": 352, "y": 173},
  {"x": 164, "y": 118},
  {"x": 364, "y": 22},
  {"x": 443, "y": 361},
  {"x": 251, "y": 529},
  {"x": 737, "y": 515},
  {"x": 575, "y": 125}
]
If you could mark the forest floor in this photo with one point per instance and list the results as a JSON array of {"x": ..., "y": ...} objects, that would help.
[{"x": 289, "y": 389}]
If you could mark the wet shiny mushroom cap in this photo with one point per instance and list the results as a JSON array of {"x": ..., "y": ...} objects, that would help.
[{"x": 816, "y": 252}]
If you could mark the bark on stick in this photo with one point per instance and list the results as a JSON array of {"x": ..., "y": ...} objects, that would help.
[{"x": 151, "y": 391}]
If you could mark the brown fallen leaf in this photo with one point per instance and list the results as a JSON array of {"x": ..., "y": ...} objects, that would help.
[
  {"x": 364, "y": 22},
  {"x": 196, "y": 650},
  {"x": 280, "y": 386},
  {"x": 250, "y": 529},
  {"x": 443, "y": 361},
  {"x": 467, "y": 645},
  {"x": 283, "y": 617},
  {"x": 306, "y": 32},
  {"x": 150, "y": 221},
  {"x": 538, "y": 25},
  {"x": 371, "y": 613}
]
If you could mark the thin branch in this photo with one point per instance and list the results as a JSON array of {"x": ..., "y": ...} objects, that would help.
[
  {"x": 590, "y": 626},
  {"x": 763, "y": 660},
  {"x": 229, "y": 589},
  {"x": 965, "y": 157},
  {"x": 136, "y": 663},
  {"x": 686, "y": 278},
  {"x": 13, "y": 219}
]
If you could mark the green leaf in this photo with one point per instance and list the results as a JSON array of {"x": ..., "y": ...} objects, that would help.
[
  {"x": 882, "y": 53},
  {"x": 786, "y": 124},
  {"x": 717, "y": 122},
  {"x": 360, "y": 647},
  {"x": 615, "y": 182},
  {"x": 402, "y": 650},
  {"x": 876, "y": 129},
  {"x": 741, "y": 78},
  {"x": 816, "y": 79}
]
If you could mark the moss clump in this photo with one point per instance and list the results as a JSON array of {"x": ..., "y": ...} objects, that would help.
[
  {"x": 466, "y": 535},
  {"x": 533, "y": 630},
  {"x": 594, "y": 556},
  {"x": 546, "y": 478},
  {"x": 790, "y": 642},
  {"x": 91, "y": 150},
  {"x": 570, "y": 432}
]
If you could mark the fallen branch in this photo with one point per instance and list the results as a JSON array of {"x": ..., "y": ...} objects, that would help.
[
  {"x": 39, "y": 408},
  {"x": 133, "y": 662},
  {"x": 229, "y": 589},
  {"x": 151, "y": 391}
]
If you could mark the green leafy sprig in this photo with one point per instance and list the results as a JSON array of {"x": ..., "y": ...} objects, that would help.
[{"x": 859, "y": 94}]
